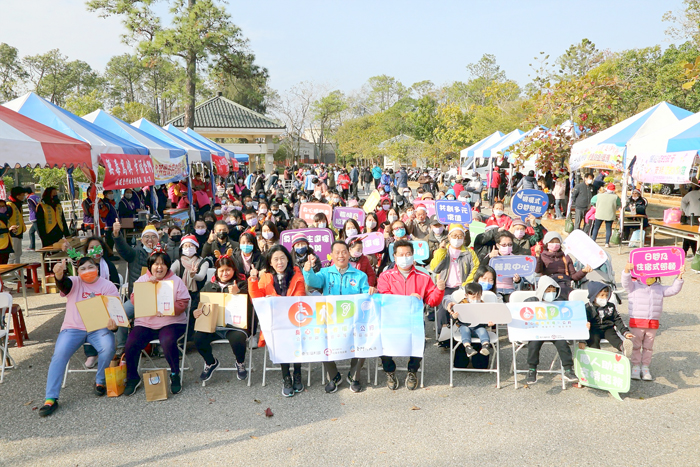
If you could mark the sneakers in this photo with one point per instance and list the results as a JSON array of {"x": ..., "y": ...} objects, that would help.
[
  {"x": 470, "y": 350},
  {"x": 131, "y": 386},
  {"x": 486, "y": 349},
  {"x": 48, "y": 408},
  {"x": 175, "y": 383},
  {"x": 355, "y": 386},
  {"x": 349, "y": 379},
  {"x": 298, "y": 386},
  {"x": 627, "y": 347},
  {"x": 411, "y": 381},
  {"x": 288, "y": 390},
  {"x": 646, "y": 375},
  {"x": 91, "y": 362},
  {"x": 209, "y": 370},
  {"x": 531, "y": 376},
  {"x": 636, "y": 372},
  {"x": 570, "y": 376},
  {"x": 333, "y": 384},
  {"x": 100, "y": 390},
  {"x": 391, "y": 381},
  {"x": 241, "y": 372},
  {"x": 607, "y": 245}
]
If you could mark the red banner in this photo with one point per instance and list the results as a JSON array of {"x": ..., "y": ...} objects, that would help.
[
  {"x": 234, "y": 165},
  {"x": 127, "y": 171},
  {"x": 221, "y": 164}
]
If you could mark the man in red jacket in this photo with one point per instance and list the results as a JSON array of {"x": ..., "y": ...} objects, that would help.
[{"x": 405, "y": 279}]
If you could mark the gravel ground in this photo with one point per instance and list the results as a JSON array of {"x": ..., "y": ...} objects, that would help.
[{"x": 225, "y": 423}]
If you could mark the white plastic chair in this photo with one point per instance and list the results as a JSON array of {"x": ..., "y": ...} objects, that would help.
[
  {"x": 579, "y": 295},
  {"x": 279, "y": 368},
  {"x": 123, "y": 289},
  {"x": 5, "y": 307},
  {"x": 249, "y": 345},
  {"x": 493, "y": 337},
  {"x": 517, "y": 297}
]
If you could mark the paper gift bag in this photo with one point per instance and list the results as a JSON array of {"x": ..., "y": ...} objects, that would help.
[
  {"x": 156, "y": 385},
  {"x": 208, "y": 319},
  {"x": 115, "y": 377},
  {"x": 672, "y": 216}
]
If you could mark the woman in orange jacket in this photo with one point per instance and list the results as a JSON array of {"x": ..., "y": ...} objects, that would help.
[{"x": 283, "y": 280}]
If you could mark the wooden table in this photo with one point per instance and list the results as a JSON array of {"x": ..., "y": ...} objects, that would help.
[
  {"x": 689, "y": 232},
  {"x": 50, "y": 251},
  {"x": 630, "y": 220},
  {"x": 11, "y": 268}
]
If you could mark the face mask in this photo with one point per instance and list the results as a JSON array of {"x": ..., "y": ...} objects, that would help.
[
  {"x": 200, "y": 231},
  {"x": 253, "y": 222},
  {"x": 262, "y": 211},
  {"x": 238, "y": 208},
  {"x": 249, "y": 204},
  {"x": 176, "y": 238},
  {"x": 410, "y": 213},
  {"x": 404, "y": 262},
  {"x": 549, "y": 296},
  {"x": 355, "y": 255},
  {"x": 486, "y": 285},
  {"x": 438, "y": 230},
  {"x": 456, "y": 242},
  {"x": 240, "y": 181},
  {"x": 128, "y": 196},
  {"x": 497, "y": 212},
  {"x": 505, "y": 250},
  {"x": 462, "y": 198},
  {"x": 232, "y": 222},
  {"x": 588, "y": 182},
  {"x": 350, "y": 232},
  {"x": 601, "y": 301},
  {"x": 450, "y": 198},
  {"x": 553, "y": 246},
  {"x": 274, "y": 213},
  {"x": 321, "y": 225},
  {"x": 189, "y": 251},
  {"x": 472, "y": 300},
  {"x": 335, "y": 200},
  {"x": 301, "y": 250},
  {"x": 217, "y": 212},
  {"x": 247, "y": 248},
  {"x": 519, "y": 234},
  {"x": 371, "y": 224},
  {"x": 386, "y": 207},
  {"x": 221, "y": 235},
  {"x": 149, "y": 250},
  {"x": 210, "y": 224},
  {"x": 302, "y": 200},
  {"x": 399, "y": 233},
  {"x": 268, "y": 235},
  {"x": 89, "y": 276},
  {"x": 392, "y": 219},
  {"x": 110, "y": 196}
]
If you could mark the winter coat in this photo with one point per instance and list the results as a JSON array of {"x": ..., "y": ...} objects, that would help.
[
  {"x": 331, "y": 282},
  {"x": 581, "y": 197},
  {"x": 364, "y": 265},
  {"x": 646, "y": 302},
  {"x": 136, "y": 259},
  {"x": 561, "y": 268},
  {"x": 394, "y": 283},
  {"x": 214, "y": 286},
  {"x": 265, "y": 286},
  {"x": 528, "y": 183},
  {"x": 467, "y": 260},
  {"x": 604, "y": 317},
  {"x": 502, "y": 221},
  {"x": 605, "y": 206},
  {"x": 402, "y": 179}
]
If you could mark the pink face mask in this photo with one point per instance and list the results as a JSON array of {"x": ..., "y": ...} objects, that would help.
[
  {"x": 519, "y": 234},
  {"x": 553, "y": 246}
]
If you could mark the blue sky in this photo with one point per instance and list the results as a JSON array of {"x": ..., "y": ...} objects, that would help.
[{"x": 342, "y": 43}]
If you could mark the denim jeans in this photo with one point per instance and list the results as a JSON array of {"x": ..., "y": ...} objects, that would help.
[
  {"x": 70, "y": 340},
  {"x": 32, "y": 238},
  {"x": 123, "y": 333},
  {"x": 558, "y": 207},
  {"x": 596, "y": 228},
  {"x": 466, "y": 333}
]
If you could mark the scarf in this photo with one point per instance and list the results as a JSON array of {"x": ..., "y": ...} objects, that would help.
[{"x": 187, "y": 263}]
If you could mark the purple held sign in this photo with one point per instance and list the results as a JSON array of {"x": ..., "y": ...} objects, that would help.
[
  {"x": 341, "y": 215},
  {"x": 526, "y": 202},
  {"x": 510, "y": 265},
  {"x": 320, "y": 240},
  {"x": 657, "y": 261},
  {"x": 453, "y": 212},
  {"x": 372, "y": 242}
]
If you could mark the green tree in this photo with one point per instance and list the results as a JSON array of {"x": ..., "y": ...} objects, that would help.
[
  {"x": 132, "y": 111},
  {"x": 124, "y": 75},
  {"x": 383, "y": 92},
  {"x": 327, "y": 113},
  {"x": 12, "y": 73},
  {"x": 579, "y": 59},
  {"x": 84, "y": 104}
]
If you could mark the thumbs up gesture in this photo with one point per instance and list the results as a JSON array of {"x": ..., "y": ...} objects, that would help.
[
  {"x": 441, "y": 284},
  {"x": 59, "y": 269},
  {"x": 212, "y": 237},
  {"x": 253, "y": 272},
  {"x": 116, "y": 227}
]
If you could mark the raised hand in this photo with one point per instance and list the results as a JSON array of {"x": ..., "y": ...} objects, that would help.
[
  {"x": 441, "y": 284},
  {"x": 116, "y": 228},
  {"x": 253, "y": 272},
  {"x": 494, "y": 252},
  {"x": 59, "y": 270},
  {"x": 233, "y": 289},
  {"x": 212, "y": 237}
]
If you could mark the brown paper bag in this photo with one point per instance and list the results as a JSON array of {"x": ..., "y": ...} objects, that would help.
[
  {"x": 156, "y": 384},
  {"x": 208, "y": 319}
]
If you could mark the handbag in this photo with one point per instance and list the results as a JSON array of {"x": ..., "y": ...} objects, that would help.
[
  {"x": 115, "y": 377},
  {"x": 208, "y": 319},
  {"x": 615, "y": 237},
  {"x": 155, "y": 384},
  {"x": 569, "y": 225}
]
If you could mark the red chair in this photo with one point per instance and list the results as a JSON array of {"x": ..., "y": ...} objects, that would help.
[
  {"x": 19, "y": 330},
  {"x": 36, "y": 283}
]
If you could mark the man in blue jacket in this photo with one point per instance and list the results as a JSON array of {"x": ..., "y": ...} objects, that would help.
[
  {"x": 376, "y": 174},
  {"x": 341, "y": 278}
]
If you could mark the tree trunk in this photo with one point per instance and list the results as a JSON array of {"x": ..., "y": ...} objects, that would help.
[{"x": 190, "y": 85}]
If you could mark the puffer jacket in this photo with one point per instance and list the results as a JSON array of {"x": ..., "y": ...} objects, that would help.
[
  {"x": 646, "y": 302},
  {"x": 561, "y": 268},
  {"x": 467, "y": 260},
  {"x": 603, "y": 317},
  {"x": 394, "y": 283},
  {"x": 136, "y": 258}
]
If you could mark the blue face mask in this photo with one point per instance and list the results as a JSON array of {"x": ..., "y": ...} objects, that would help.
[
  {"x": 486, "y": 285},
  {"x": 301, "y": 251},
  {"x": 399, "y": 233},
  {"x": 247, "y": 248}
]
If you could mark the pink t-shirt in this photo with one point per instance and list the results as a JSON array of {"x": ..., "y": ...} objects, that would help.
[
  {"x": 454, "y": 277},
  {"x": 181, "y": 293},
  {"x": 82, "y": 291}
]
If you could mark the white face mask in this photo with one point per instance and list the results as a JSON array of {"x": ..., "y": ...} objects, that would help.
[
  {"x": 601, "y": 301},
  {"x": 456, "y": 242},
  {"x": 392, "y": 219},
  {"x": 549, "y": 296},
  {"x": 371, "y": 224},
  {"x": 438, "y": 230},
  {"x": 350, "y": 232},
  {"x": 404, "y": 262},
  {"x": 268, "y": 235},
  {"x": 189, "y": 251},
  {"x": 262, "y": 211},
  {"x": 497, "y": 212},
  {"x": 321, "y": 225}
]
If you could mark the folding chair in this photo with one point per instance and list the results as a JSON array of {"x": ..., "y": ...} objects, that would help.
[
  {"x": 521, "y": 296},
  {"x": 5, "y": 307},
  {"x": 279, "y": 368},
  {"x": 181, "y": 345},
  {"x": 84, "y": 369},
  {"x": 456, "y": 336},
  {"x": 249, "y": 348},
  {"x": 123, "y": 288},
  {"x": 342, "y": 368}
]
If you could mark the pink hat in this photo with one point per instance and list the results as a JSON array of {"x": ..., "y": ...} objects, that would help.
[
  {"x": 189, "y": 239},
  {"x": 299, "y": 237}
]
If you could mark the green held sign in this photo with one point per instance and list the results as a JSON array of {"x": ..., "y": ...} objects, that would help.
[{"x": 604, "y": 370}]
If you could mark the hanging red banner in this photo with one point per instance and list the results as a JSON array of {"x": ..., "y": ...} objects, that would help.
[
  {"x": 234, "y": 165},
  {"x": 127, "y": 171},
  {"x": 221, "y": 164}
]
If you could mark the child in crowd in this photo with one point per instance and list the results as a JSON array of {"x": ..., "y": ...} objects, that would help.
[
  {"x": 646, "y": 303},
  {"x": 473, "y": 295},
  {"x": 604, "y": 322}
]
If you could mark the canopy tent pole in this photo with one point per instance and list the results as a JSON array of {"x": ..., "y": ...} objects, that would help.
[
  {"x": 623, "y": 198},
  {"x": 71, "y": 190},
  {"x": 571, "y": 194}
]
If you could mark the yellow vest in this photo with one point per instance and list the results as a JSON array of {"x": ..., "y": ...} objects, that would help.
[
  {"x": 17, "y": 218},
  {"x": 52, "y": 216},
  {"x": 4, "y": 238}
]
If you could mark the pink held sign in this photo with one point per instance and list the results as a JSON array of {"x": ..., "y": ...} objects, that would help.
[{"x": 657, "y": 261}]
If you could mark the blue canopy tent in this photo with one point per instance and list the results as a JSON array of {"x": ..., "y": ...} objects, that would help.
[
  {"x": 466, "y": 156},
  {"x": 213, "y": 152}
]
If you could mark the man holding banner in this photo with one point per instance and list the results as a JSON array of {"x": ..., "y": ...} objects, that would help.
[
  {"x": 404, "y": 279},
  {"x": 341, "y": 278}
]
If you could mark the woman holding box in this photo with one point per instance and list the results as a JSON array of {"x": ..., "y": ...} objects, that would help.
[
  {"x": 73, "y": 333},
  {"x": 283, "y": 280},
  {"x": 226, "y": 279},
  {"x": 168, "y": 329}
]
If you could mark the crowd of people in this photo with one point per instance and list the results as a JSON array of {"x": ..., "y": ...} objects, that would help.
[{"x": 236, "y": 232}]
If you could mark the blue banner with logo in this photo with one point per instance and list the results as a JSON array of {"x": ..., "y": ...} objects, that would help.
[{"x": 526, "y": 202}]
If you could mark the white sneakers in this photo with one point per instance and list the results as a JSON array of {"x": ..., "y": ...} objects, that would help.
[
  {"x": 636, "y": 372},
  {"x": 646, "y": 375},
  {"x": 641, "y": 373}
]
